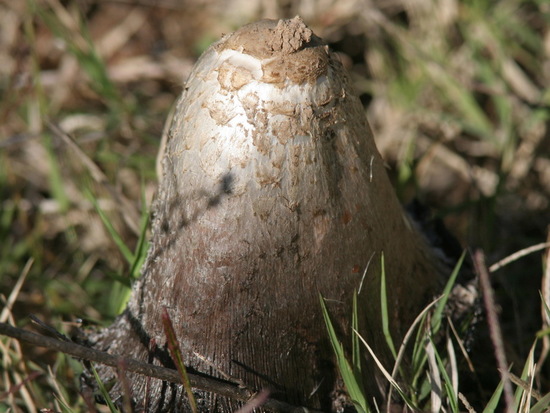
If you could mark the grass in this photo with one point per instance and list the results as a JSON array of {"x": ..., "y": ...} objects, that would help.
[
  {"x": 457, "y": 96},
  {"x": 430, "y": 381},
  {"x": 350, "y": 370}
]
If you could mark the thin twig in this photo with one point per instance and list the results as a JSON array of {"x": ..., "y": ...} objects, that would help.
[
  {"x": 494, "y": 327},
  {"x": 517, "y": 255},
  {"x": 256, "y": 402},
  {"x": 466, "y": 403},
  {"x": 526, "y": 386},
  {"x": 125, "y": 385},
  {"x": 15, "y": 291},
  {"x": 209, "y": 384},
  {"x": 461, "y": 345}
]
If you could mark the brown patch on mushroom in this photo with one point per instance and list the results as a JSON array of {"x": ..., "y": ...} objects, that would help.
[
  {"x": 233, "y": 78},
  {"x": 291, "y": 49},
  {"x": 304, "y": 66}
]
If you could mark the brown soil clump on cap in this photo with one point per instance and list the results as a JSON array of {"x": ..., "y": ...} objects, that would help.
[{"x": 293, "y": 50}]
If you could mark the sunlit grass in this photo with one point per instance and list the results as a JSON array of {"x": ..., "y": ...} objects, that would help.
[{"x": 431, "y": 380}]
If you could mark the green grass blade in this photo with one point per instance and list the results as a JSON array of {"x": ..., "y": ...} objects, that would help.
[
  {"x": 527, "y": 368},
  {"x": 80, "y": 44},
  {"x": 436, "y": 387},
  {"x": 351, "y": 381},
  {"x": 140, "y": 254},
  {"x": 542, "y": 333},
  {"x": 55, "y": 177},
  {"x": 125, "y": 251},
  {"x": 419, "y": 357},
  {"x": 542, "y": 405},
  {"x": 63, "y": 404},
  {"x": 545, "y": 306},
  {"x": 103, "y": 391},
  {"x": 472, "y": 114},
  {"x": 355, "y": 348},
  {"x": 142, "y": 246},
  {"x": 384, "y": 308},
  {"x": 495, "y": 398},
  {"x": 440, "y": 307},
  {"x": 418, "y": 322},
  {"x": 177, "y": 357},
  {"x": 451, "y": 396}
]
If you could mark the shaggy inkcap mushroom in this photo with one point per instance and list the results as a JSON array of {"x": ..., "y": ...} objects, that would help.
[{"x": 272, "y": 194}]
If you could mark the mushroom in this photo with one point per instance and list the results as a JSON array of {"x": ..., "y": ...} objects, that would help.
[{"x": 272, "y": 194}]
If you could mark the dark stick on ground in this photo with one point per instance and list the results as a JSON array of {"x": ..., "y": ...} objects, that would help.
[
  {"x": 494, "y": 327},
  {"x": 135, "y": 366}
]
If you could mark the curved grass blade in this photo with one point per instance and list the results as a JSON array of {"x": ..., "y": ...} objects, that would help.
[
  {"x": 384, "y": 309},
  {"x": 103, "y": 391},
  {"x": 177, "y": 357},
  {"x": 351, "y": 380}
]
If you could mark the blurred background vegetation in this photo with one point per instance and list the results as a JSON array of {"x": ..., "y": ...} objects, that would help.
[{"x": 457, "y": 93}]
